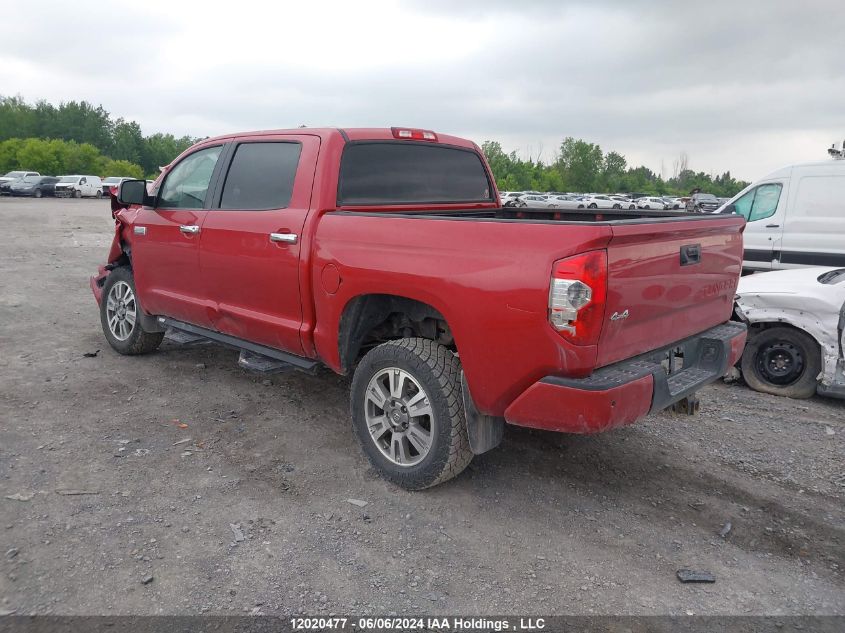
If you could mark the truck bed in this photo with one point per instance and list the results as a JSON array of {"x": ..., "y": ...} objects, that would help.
[{"x": 607, "y": 216}]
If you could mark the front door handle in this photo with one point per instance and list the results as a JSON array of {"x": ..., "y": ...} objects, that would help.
[
  {"x": 773, "y": 226},
  {"x": 287, "y": 238},
  {"x": 189, "y": 229}
]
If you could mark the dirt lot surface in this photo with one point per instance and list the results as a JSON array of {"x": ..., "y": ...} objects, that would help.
[{"x": 230, "y": 490}]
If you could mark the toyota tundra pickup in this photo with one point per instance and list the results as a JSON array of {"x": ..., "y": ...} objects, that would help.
[{"x": 385, "y": 254}]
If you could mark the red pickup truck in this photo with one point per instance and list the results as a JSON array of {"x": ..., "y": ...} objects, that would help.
[{"x": 385, "y": 253}]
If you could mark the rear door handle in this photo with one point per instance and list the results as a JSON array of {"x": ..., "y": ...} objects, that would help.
[
  {"x": 773, "y": 226},
  {"x": 287, "y": 238},
  {"x": 189, "y": 229}
]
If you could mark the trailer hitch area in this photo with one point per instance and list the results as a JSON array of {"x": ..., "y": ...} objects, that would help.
[{"x": 687, "y": 406}]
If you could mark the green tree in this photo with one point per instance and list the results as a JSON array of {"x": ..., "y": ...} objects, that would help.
[
  {"x": 127, "y": 141},
  {"x": 122, "y": 168},
  {"x": 580, "y": 164}
]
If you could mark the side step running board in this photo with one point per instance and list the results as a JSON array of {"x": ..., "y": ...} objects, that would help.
[
  {"x": 253, "y": 356},
  {"x": 263, "y": 364},
  {"x": 184, "y": 338}
]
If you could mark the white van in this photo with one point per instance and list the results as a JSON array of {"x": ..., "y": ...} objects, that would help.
[
  {"x": 79, "y": 187},
  {"x": 796, "y": 217}
]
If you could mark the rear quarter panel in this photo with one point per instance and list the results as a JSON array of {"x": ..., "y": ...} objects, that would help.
[{"x": 489, "y": 279}]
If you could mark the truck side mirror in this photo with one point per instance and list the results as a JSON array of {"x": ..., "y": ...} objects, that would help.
[{"x": 132, "y": 192}]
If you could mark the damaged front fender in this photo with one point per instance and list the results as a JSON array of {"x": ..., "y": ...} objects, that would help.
[{"x": 814, "y": 308}]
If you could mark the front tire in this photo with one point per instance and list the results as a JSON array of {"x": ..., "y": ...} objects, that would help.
[
  {"x": 120, "y": 315},
  {"x": 99, "y": 194},
  {"x": 782, "y": 361},
  {"x": 408, "y": 413},
  {"x": 37, "y": 193},
  {"x": 593, "y": 206},
  {"x": 77, "y": 193}
]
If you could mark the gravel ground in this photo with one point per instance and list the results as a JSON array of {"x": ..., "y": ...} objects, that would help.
[{"x": 211, "y": 490}]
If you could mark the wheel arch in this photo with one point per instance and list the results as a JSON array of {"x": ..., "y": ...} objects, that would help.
[{"x": 376, "y": 318}]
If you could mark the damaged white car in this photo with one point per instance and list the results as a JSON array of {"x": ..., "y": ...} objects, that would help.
[{"x": 795, "y": 323}]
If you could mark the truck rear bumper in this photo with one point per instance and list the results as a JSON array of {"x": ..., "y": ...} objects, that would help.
[{"x": 624, "y": 392}]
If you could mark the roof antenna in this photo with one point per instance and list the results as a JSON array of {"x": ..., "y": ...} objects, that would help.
[{"x": 837, "y": 154}]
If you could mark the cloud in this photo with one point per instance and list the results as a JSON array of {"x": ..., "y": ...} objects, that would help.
[{"x": 740, "y": 86}]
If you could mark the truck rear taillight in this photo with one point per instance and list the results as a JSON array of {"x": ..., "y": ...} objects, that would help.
[
  {"x": 577, "y": 296},
  {"x": 414, "y": 135}
]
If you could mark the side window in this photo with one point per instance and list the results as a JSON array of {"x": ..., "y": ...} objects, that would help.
[
  {"x": 765, "y": 201},
  {"x": 261, "y": 176},
  {"x": 186, "y": 186},
  {"x": 743, "y": 204},
  {"x": 759, "y": 203}
]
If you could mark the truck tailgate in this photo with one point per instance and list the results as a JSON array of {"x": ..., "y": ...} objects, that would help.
[{"x": 667, "y": 280}]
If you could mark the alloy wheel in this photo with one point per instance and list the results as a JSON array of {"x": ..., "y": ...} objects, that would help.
[
  {"x": 399, "y": 416},
  {"x": 121, "y": 310}
]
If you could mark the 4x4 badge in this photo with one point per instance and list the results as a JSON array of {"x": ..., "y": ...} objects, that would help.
[{"x": 618, "y": 317}]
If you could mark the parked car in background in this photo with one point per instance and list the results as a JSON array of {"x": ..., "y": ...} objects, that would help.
[
  {"x": 511, "y": 198},
  {"x": 565, "y": 202},
  {"x": 702, "y": 203},
  {"x": 35, "y": 186},
  {"x": 598, "y": 201},
  {"x": 624, "y": 202},
  {"x": 796, "y": 331},
  {"x": 537, "y": 200},
  {"x": 79, "y": 187},
  {"x": 112, "y": 181},
  {"x": 795, "y": 217},
  {"x": 673, "y": 203},
  {"x": 649, "y": 202},
  {"x": 15, "y": 175}
]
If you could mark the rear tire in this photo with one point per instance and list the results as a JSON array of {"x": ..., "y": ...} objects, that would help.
[
  {"x": 592, "y": 206},
  {"x": 99, "y": 193},
  {"x": 120, "y": 316},
  {"x": 407, "y": 407},
  {"x": 782, "y": 361}
]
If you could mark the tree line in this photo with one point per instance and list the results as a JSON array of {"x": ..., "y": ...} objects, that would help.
[
  {"x": 581, "y": 166},
  {"x": 77, "y": 137}
]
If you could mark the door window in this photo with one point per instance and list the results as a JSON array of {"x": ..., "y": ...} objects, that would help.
[
  {"x": 186, "y": 186},
  {"x": 261, "y": 176},
  {"x": 759, "y": 203}
]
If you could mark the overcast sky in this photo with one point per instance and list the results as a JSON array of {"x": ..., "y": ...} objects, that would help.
[{"x": 745, "y": 86}]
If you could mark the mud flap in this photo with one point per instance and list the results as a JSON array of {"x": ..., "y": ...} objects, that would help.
[{"x": 485, "y": 432}]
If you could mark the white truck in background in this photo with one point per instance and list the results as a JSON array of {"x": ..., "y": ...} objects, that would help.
[{"x": 795, "y": 215}]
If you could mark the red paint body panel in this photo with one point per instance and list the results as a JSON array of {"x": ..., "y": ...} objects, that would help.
[
  {"x": 488, "y": 277},
  {"x": 490, "y": 280},
  {"x": 664, "y": 298},
  {"x": 568, "y": 410},
  {"x": 238, "y": 262}
]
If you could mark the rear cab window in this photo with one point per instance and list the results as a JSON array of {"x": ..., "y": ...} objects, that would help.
[{"x": 408, "y": 173}]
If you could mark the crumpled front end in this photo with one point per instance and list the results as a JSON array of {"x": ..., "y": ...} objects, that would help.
[
  {"x": 118, "y": 253},
  {"x": 810, "y": 309}
]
